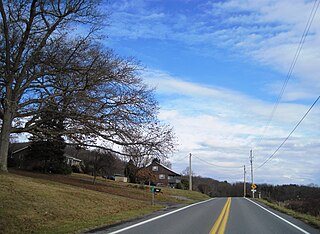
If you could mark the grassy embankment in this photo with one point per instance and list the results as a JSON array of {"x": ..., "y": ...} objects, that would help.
[
  {"x": 36, "y": 203},
  {"x": 309, "y": 219}
]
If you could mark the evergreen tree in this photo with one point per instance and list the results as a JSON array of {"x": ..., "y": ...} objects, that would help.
[
  {"x": 47, "y": 148},
  {"x": 130, "y": 171}
]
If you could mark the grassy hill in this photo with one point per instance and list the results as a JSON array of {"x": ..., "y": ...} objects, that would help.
[
  {"x": 37, "y": 203},
  {"x": 308, "y": 219}
]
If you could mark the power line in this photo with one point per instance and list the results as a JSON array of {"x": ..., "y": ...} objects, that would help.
[
  {"x": 293, "y": 63},
  {"x": 181, "y": 158},
  {"x": 215, "y": 165},
  {"x": 304, "y": 116}
]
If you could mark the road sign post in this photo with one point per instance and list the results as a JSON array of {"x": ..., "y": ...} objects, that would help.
[{"x": 253, "y": 189}]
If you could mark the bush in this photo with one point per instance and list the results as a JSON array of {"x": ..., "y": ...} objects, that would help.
[
  {"x": 178, "y": 186},
  {"x": 38, "y": 168},
  {"x": 60, "y": 168},
  {"x": 12, "y": 162},
  {"x": 185, "y": 183},
  {"x": 310, "y": 206},
  {"x": 76, "y": 169}
]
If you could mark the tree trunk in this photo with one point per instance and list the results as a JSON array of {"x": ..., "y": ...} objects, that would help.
[
  {"x": 5, "y": 137},
  {"x": 94, "y": 176},
  {"x": 94, "y": 170}
]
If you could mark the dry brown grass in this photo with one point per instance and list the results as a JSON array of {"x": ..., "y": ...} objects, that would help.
[
  {"x": 31, "y": 205},
  {"x": 309, "y": 219},
  {"x": 134, "y": 191},
  {"x": 38, "y": 203}
]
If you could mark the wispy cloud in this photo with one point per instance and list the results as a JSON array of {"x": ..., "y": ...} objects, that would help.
[
  {"x": 216, "y": 123},
  {"x": 220, "y": 126},
  {"x": 264, "y": 31}
]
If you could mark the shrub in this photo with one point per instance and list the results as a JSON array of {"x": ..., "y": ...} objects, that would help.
[
  {"x": 12, "y": 162},
  {"x": 76, "y": 169},
  {"x": 178, "y": 186},
  {"x": 60, "y": 168}
]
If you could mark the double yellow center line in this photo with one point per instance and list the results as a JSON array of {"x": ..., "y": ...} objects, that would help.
[{"x": 221, "y": 223}]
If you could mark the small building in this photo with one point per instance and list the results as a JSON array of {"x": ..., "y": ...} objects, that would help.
[
  {"x": 72, "y": 161},
  {"x": 120, "y": 178},
  {"x": 164, "y": 175}
]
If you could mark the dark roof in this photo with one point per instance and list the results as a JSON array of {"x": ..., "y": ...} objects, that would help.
[
  {"x": 73, "y": 158},
  {"x": 17, "y": 147},
  {"x": 167, "y": 168}
]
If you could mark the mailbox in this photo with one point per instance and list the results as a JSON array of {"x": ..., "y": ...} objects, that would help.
[{"x": 157, "y": 190}]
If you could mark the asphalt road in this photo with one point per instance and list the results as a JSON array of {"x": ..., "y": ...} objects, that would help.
[{"x": 219, "y": 215}]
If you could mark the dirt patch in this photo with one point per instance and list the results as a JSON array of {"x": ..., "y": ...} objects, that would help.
[{"x": 181, "y": 198}]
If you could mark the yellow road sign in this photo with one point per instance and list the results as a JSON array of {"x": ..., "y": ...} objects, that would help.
[{"x": 253, "y": 186}]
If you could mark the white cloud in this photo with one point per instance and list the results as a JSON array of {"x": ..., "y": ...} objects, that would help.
[
  {"x": 274, "y": 36},
  {"x": 266, "y": 31},
  {"x": 221, "y": 126}
]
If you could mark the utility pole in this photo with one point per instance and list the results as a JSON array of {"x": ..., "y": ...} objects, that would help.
[
  {"x": 190, "y": 174},
  {"x": 252, "y": 180},
  {"x": 244, "y": 181}
]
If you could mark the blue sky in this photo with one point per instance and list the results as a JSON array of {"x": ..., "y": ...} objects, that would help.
[{"x": 218, "y": 67}]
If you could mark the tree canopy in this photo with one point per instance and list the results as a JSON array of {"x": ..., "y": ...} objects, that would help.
[{"x": 101, "y": 98}]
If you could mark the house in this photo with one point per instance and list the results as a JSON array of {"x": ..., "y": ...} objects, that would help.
[
  {"x": 164, "y": 175},
  {"x": 16, "y": 155},
  {"x": 72, "y": 161},
  {"x": 18, "y": 152},
  {"x": 120, "y": 178}
]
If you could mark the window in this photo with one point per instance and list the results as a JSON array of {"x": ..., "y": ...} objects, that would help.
[
  {"x": 162, "y": 176},
  {"x": 155, "y": 168}
]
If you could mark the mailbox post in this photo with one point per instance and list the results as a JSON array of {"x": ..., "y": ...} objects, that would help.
[
  {"x": 152, "y": 199},
  {"x": 153, "y": 191}
]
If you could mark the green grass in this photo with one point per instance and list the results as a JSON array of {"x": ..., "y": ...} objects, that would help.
[
  {"x": 309, "y": 219},
  {"x": 38, "y": 203}
]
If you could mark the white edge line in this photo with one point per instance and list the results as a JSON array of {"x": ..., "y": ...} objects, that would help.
[
  {"x": 293, "y": 225},
  {"x": 159, "y": 217}
]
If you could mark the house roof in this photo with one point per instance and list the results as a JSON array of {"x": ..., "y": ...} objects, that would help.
[
  {"x": 22, "y": 149},
  {"x": 167, "y": 168},
  {"x": 17, "y": 147},
  {"x": 72, "y": 158}
]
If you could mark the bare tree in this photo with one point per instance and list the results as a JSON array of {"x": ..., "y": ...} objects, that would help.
[
  {"x": 31, "y": 33},
  {"x": 186, "y": 172},
  {"x": 154, "y": 141},
  {"x": 100, "y": 96},
  {"x": 144, "y": 175},
  {"x": 115, "y": 110},
  {"x": 100, "y": 162}
]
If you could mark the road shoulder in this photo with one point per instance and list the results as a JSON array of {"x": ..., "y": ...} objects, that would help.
[{"x": 288, "y": 218}]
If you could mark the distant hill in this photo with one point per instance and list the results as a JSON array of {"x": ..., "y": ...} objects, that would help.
[{"x": 304, "y": 199}]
